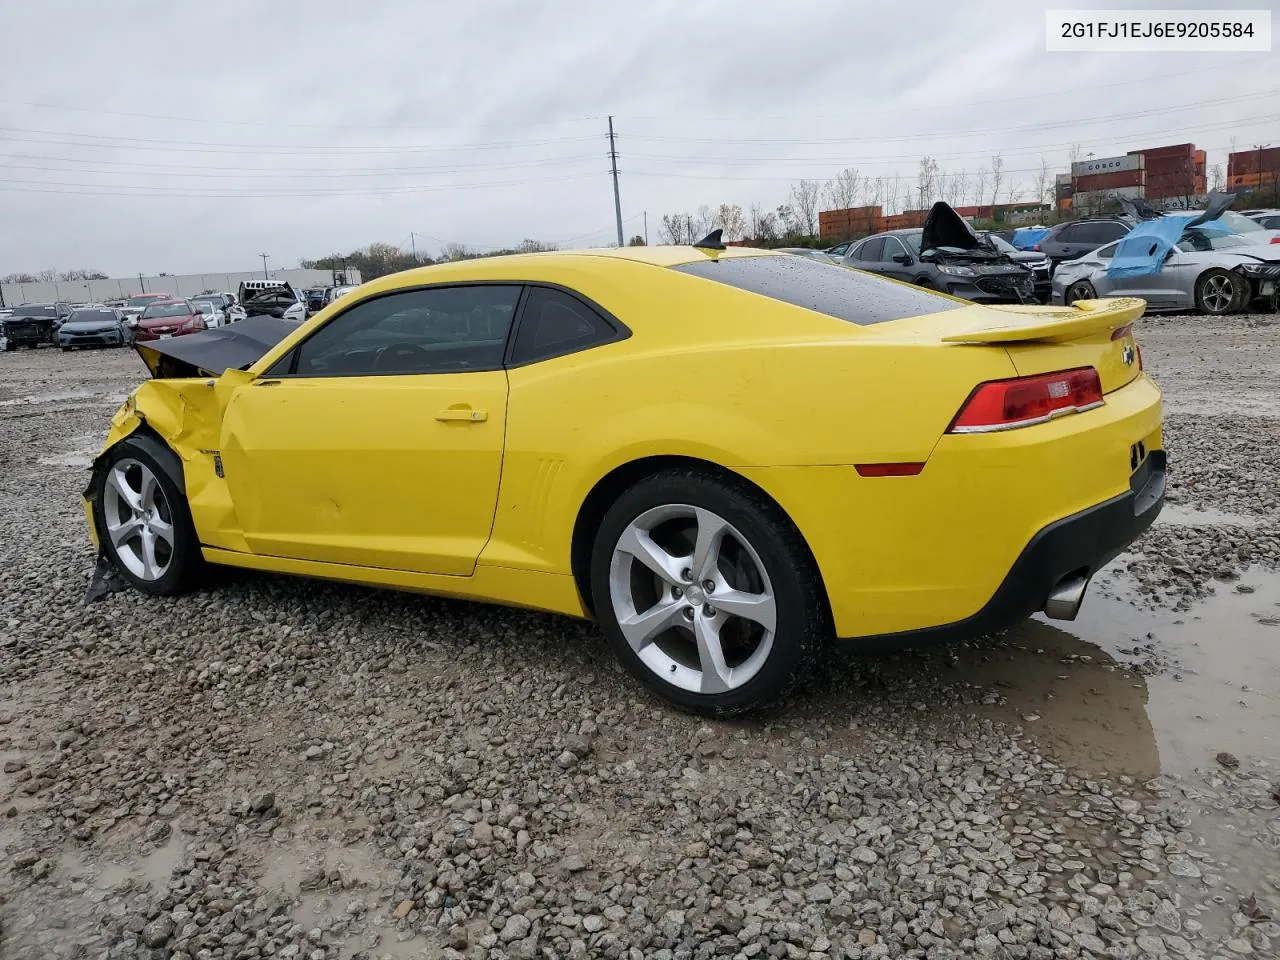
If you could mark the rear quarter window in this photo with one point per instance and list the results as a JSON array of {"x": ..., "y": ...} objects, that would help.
[{"x": 837, "y": 291}]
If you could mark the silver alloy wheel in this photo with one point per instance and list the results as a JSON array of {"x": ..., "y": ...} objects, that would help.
[
  {"x": 138, "y": 519},
  {"x": 1218, "y": 293},
  {"x": 702, "y": 620}
]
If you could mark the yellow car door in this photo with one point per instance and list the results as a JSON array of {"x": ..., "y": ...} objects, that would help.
[{"x": 378, "y": 440}]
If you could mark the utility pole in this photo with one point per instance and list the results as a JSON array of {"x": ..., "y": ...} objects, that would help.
[
  {"x": 646, "y": 228},
  {"x": 617, "y": 201},
  {"x": 142, "y": 283},
  {"x": 414, "y": 244},
  {"x": 264, "y": 265}
]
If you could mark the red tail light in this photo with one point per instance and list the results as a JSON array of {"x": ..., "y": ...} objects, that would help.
[
  {"x": 1035, "y": 247},
  {"x": 1023, "y": 401},
  {"x": 1276, "y": 239}
]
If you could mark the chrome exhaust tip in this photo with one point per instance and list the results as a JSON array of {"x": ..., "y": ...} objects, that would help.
[{"x": 1063, "y": 602}]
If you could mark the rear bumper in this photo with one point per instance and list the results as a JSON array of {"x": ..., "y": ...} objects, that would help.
[{"x": 1076, "y": 545}]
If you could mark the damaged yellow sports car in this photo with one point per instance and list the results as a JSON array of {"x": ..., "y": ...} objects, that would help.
[{"x": 727, "y": 457}]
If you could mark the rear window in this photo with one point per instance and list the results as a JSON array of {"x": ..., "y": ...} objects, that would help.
[{"x": 836, "y": 291}]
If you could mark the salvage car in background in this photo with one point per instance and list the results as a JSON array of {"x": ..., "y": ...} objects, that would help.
[
  {"x": 168, "y": 318},
  {"x": 95, "y": 327},
  {"x": 945, "y": 255},
  {"x": 223, "y": 302},
  {"x": 272, "y": 298},
  {"x": 414, "y": 436},
  {"x": 213, "y": 315},
  {"x": 134, "y": 306},
  {"x": 1214, "y": 274},
  {"x": 33, "y": 324},
  {"x": 1034, "y": 260},
  {"x": 1066, "y": 241}
]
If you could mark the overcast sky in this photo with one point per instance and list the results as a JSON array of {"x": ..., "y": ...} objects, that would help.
[{"x": 182, "y": 137}]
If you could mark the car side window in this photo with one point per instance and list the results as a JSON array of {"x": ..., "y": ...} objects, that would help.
[
  {"x": 892, "y": 247},
  {"x": 1071, "y": 233},
  {"x": 554, "y": 323},
  {"x": 870, "y": 251},
  {"x": 838, "y": 250},
  {"x": 433, "y": 330},
  {"x": 1107, "y": 252}
]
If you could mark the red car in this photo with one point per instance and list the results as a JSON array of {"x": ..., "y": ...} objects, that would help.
[{"x": 168, "y": 318}]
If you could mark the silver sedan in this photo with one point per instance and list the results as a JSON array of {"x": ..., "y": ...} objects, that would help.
[{"x": 1213, "y": 274}]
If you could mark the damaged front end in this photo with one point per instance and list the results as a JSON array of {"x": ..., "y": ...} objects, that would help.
[
  {"x": 970, "y": 263},
  {"x": 180, "y": 409}
]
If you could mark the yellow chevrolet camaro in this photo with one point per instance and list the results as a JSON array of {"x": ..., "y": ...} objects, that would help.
[{"x": 726, "y": 457}]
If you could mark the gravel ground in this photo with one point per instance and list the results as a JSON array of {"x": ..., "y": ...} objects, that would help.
[{"x": 280, "y": 768}]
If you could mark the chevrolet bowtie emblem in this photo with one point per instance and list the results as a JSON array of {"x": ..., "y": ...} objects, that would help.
[{"x": 1127, "y": 355}]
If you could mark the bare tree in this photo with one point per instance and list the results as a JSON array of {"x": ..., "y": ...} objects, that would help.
[
  {"x": 676, "y": 228},
  {"x": 761, "y": 224},
  {"x": 841, "y": 193},
  {"x": 1042, "y": 181},
  {"x": 82, "y": 274},
  {"x": 1216, "y": 178},
  {"x": 997, "y": 177},
  {"x": 892, "y": 194},
  {"x": 980, "y": 186},
  {"x": 704, "y": 222},
  {"x": 48, "y": 275},
  {"x": 729, "y": 218},
  {"x": 534, "y": 246},
  {"x": 788, "y": 225},
  {"x": 21, "y": 277},
  {"x": 926, "y": 181},
  {"x": 451, "y": 251},
  {"x": 804, "y": 199},
  {"x": 960, "y": 187},
  {"x": 1074, "y": 153},
  {"x": 873, "y": 191}
]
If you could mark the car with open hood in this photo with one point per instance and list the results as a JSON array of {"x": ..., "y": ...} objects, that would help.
[
  {"x": 164, "y": 319},
  {"x": 272, "y": 298},
  {"x": 948, "y": 256},
  {"x": 33, "y": 324},
  {"x": 95, "y": 327},
  {"x": 705, "y": 449}
]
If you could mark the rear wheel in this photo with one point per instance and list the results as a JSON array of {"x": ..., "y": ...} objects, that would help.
[
  {"x": 1219, "y": 292},
  {"x": 1080, "y": 290},
  {"x": 707, "y": 593},
  {"x": 143, "y": 521}
]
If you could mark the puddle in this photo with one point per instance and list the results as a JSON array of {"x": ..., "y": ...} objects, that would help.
[
  {"x": 155, "y": 869},
  {"x": 79, "y": 452},
  {"x": 62, "y": 396},
  {"x": 1220, "y": 689},
  {"x": 1184, "y": 515}
]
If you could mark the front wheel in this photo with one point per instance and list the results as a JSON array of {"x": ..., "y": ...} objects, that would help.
[
  {"x": 1080, "y": 290},
  {"x": 707, "y": 593},
  {"x": 142, "y": 518},
  {"x": 1219, "y": 292}
]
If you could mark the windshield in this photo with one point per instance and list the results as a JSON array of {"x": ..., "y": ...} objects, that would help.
[
  {"x": 1197, "y": 241},
  {"x": 204, "y": 306},
  {"x": 1000, "y": 243},
  {"x": 1239, "y": 223},
  {"x": 912, "y": 240},
  {"x": 165, "y": 310},
  {"x": 93, "y": 316},
  {"x": 36, "y": 311},
  {"x": 141, "y": 301}
]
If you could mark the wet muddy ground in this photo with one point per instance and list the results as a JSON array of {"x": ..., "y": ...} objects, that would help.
[{"x": 272, "y": 767}]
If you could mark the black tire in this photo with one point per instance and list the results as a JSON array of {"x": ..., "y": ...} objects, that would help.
[
  {"x": 1080, "y": 290},
  {"x": 66, "y": 349},
  {"x": 1210, "y": 286},
  {"x": 803, "y": 619},
  {"x": 185, "y": 561}
]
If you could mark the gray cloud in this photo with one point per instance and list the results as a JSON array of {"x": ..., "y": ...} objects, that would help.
[{"x": 301, "y": 129}]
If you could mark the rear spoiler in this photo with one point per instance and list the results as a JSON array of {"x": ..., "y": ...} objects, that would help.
[
  {"x": 1053, "y": 324},
  {"x": 213, "y": 352}
]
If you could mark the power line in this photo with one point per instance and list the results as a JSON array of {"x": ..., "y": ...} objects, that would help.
[
  {"x": 201, "y": 146},
  {"x": 138, "y": 190},
  {"x": 943, "y": 134},
  {"x": 278, "y": 124}
]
